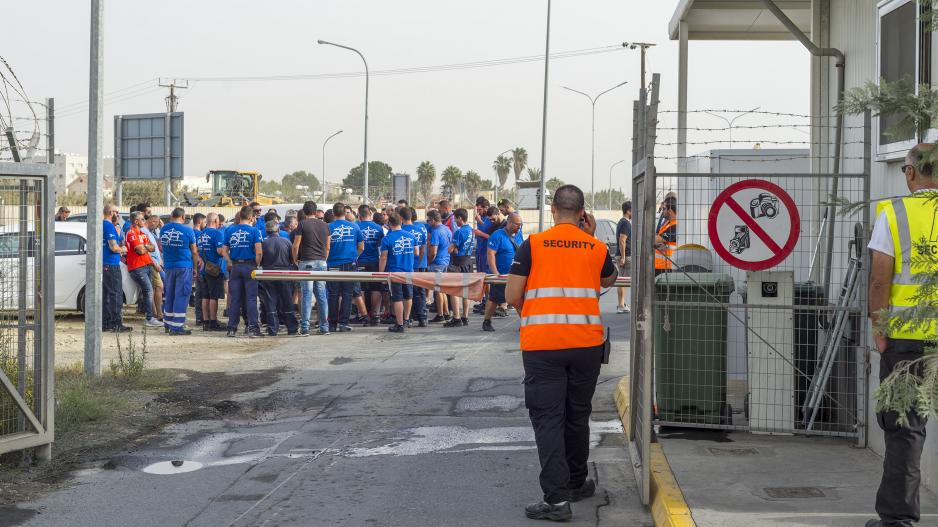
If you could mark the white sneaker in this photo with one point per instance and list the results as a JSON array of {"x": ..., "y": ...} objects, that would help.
[
  {"x": 153, "y": 323},
  {"x": 623, "y": 310}
]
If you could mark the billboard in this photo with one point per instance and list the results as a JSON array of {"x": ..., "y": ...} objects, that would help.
[
  {"x": 400, "y": 187},
  {"x": 146, "y": 146}
]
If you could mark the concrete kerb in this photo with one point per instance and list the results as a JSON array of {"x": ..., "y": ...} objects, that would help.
[{"x": 668, "y": 507}]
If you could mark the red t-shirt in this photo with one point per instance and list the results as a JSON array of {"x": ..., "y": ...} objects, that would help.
[{"x": 135, "y": 238}]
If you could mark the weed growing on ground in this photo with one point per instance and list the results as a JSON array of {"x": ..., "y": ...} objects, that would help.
[{"x": 134, "y": 363}]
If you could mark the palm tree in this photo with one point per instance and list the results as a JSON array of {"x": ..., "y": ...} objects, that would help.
[
  {"x": 426, "y": 176},
  {"x": 502, "y": 168},
  {"x": 520, "y": 157},
  {"x": 451, "y": 176},
  {"x": 534, "y": 174},
  {"x": 473, "y": 184}
]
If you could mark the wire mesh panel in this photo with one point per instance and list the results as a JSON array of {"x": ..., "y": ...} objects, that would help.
[
  {"x": 747, "y": 333},
  {"x": 26, "y": 245}
]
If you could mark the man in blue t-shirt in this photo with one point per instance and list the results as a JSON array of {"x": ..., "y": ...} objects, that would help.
[
  {"x": 242, "y": 251},
  {"x": 483, "y": 226},
  {"x": 461, "y": 262},
  {"x": 180, "y": 257},
  {"x": 397, "y": 256},
  {"x": 440, "y": 238},
  {"x": 372, "y": 233},
  {"x": 501, "y": 251},
  {"x": 419, "y": 231},
  {"x": 113, "y": 283},
  {"x": 345, "y": 244},
  {"x": 211, "y": 280}
]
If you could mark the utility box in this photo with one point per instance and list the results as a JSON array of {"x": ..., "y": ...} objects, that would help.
[{"x": 770, "y": 296}]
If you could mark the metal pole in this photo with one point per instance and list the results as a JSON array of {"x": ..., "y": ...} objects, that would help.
[
  {"x": 367, "y": 76},
  {"x": 118, "y": 182},
  {"x": 610, "y": 180},
  {"x": 94, "y": 251},
  {"x": 167, "y": 160},
  {"x": 593, "y": 160},
  {"x": 543, "y": 186},
  {"x": 324, "y": 164},
  {"x": 50, "y": 132}
]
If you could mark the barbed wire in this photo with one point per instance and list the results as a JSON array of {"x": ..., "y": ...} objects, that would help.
[
  {"x": 773, "y": 159},
  {"x": 754, "y": 112},
  {"x": 764, "y": 141},
  {"x": 754, "y": 127}
]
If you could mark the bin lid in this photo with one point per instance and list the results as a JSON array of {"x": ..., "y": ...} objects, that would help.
[{"x": 716, "y": 282}]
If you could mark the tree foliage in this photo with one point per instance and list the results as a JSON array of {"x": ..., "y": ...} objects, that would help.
[
  {"x": 379, "y": 179},
  {"x": 553, "y": 184},
  {"x": 473, "y": 184},
  {"x": 451, "y": 176},
  {"x": 287, "y": 186},
  {"x": 519, "y": 161},
  {"x": 426, "y": 177},
  {"x": 502, "y": 168}
]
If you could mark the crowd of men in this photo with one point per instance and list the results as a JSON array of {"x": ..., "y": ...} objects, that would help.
[{"x": 201, "y": 259}]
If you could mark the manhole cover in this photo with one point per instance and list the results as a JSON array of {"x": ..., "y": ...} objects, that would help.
[
  {"x": 732, "y": 451},
  {"x": 788, "y": 493}
]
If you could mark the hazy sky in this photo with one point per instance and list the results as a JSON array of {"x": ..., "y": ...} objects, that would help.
[{"x": 462, "y": 117}]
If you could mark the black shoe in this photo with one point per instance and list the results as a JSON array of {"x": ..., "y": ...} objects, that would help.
[
  {"x": 487, "y": 325},
  {"x": 225, "y": 313},
  {"x": 546, "y": 511},
  {"x": 478, "y": 309},
  {"x": 333, "y": 328},
  {"x": 465, "y": 321},
  {"x": 271, "y": 333},
  {"x": 294, "y": 333},
  {"x": 181, "y": 332},
  {"x": 254, "y": 333},
  {"x": 586, "y": 491},
  {"x": 122, "y": 329},
  {"x": 322, "y": 333},
  {"x": 409, "y": 324},
  {"x": 874, "y": 523},
  {"x": 396, "y": 328},
  {"x": 344, "y": 329},
  {"x": 438, "y": 318},
  {"x": 421, "y": 323},
  {"x": 232, "y": 333},
  {"x": 454, "y": 323},
  {"x": 215, "y": 326},
  {"x": 359, "y": 320}
]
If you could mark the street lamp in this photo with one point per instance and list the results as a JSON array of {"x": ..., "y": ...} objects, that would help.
[
  {"x": 543, "y": 185},
  {"x": 324, "y": 164},
  {"x": 365, "y": 193},
  {"x": 592, "y": 101},
  {"x": 610, "y": 180},
  {"x": 729, "y": 122}
]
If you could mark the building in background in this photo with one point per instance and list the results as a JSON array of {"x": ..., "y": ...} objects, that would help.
[
  {"x": 78, "y": 184},
  {"x": 66, "y": 169}
]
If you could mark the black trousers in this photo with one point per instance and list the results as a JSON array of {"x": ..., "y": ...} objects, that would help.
[
  {"x": 897, "y": 501},
  {"x": 277, "y": 300},
  {"x": 558, "y": 392},
  {"x": 113, "y": 298},
  {"x": 418, "y": 310}
]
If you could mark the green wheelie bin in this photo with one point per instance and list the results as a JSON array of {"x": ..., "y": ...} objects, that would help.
[{"x": 690, "y": 347}]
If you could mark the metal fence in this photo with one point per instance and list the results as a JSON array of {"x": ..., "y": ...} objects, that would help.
[
  {"x": 27, "y": 245},
  {"x": 778, "y": 349}
]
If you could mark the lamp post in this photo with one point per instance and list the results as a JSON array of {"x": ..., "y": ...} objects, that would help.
[
  {"x": 592, "y": 101},
  {"x": 324, "y": 164},
  {"x": 619, "y": 162},
  {"x": 729, "y": 122},
  {"x": 365, "y": 193},
  {"x": 543, "y": 186}
]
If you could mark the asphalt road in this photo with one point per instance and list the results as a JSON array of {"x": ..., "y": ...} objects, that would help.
[{"x": 367, "y": 428}]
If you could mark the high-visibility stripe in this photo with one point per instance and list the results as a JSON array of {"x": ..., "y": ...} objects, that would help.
[
  {"x": 173, "y": 315},
  {"x": 580, "y": 320},
  {"x": 171, "y": 323},
  {"x": 905, "y": 241},
  {"x": 563, "y": 292}
]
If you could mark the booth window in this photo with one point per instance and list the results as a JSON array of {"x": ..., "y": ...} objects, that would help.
[{"x": 904, "y": 52}]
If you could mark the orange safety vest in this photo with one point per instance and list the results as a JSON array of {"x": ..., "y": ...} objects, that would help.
[
  {"x": 561, "y": 295},
  {"x": 663, "y": 257}
]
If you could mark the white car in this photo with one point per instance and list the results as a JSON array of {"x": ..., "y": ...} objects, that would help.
[{"x": 70, "y": 258}]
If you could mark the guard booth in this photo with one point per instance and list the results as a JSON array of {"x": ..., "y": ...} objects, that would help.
[
  {"x": 27, "y": 271},
  {"x": 758, "y": 326}
]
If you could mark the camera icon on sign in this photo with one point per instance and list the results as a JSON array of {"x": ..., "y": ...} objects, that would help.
[{"x": 764, "y": 205}]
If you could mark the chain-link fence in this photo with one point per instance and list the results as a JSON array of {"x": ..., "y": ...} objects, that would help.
[{"x": 26, "y": 300}]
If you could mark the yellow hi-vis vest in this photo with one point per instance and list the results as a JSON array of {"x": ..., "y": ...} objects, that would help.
[{"x": 913, "y": 222}]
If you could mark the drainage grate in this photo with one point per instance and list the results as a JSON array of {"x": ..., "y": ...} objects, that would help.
[
  {"x": 789, "y": 493},
  {"x": 730, "y": 451}
]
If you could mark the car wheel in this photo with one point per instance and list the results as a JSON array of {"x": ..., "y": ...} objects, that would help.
[{"x": 81, "y": 300}]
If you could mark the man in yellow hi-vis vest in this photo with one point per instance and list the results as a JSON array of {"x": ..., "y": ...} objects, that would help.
[{"x": 904, "y": 227}]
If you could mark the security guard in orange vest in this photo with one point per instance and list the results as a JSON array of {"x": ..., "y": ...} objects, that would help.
[
  {"x": 666, "y": 236},
  {"x": 555, "y": 280},
  {"x": 904, "y": 227}
]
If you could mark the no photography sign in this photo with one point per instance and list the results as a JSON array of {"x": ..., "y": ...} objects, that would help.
[{"x": 754, "y": 225}]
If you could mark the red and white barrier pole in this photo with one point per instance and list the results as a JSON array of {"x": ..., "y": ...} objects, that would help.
[{"x": 352, "y": 276}]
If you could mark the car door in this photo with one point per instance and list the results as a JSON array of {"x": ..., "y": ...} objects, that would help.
[
  {"x": 10, "y": 269},
  {"x": 69, "y": 269}
]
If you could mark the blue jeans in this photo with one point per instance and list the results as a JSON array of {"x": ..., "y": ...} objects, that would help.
[
  {"x": 340, "y": 296},
  {"x": 141, "y": 275},
  {"x": 307, "y": 290},
  {"x": 113, "y": 297},
  {"x": 176, "y": 291}
]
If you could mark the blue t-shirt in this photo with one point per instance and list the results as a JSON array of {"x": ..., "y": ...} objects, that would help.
[
  {"x": 371, "y": 234},
  {"x": 261, "y": 231},
  {"x": 240, "y": 240},
  {"x": 441, "y": 238},
  {"x": 500, "y": 242},
  {"x": 462, "y": 239},
  {"x": 209, "y": 241},
  {"x": 285, "y": 234},
  {"x": 343, "y": 238},
  {"x": 419, "y": 232},
  {"x": 176, "y": 239},
  {"x": 399, "y": 245},
  {"x": 110, "y": 233},
  {"x": 482, "y": 242}
]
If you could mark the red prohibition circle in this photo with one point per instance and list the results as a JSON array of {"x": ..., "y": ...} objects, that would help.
[{"x": 789, "y": 244}]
